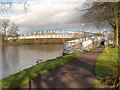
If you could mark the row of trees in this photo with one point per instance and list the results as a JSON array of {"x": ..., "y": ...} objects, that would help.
[{"x": 99, "y": 13}]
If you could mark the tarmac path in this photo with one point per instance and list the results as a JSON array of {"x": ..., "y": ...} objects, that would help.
[{"x": 78, "y": 73}]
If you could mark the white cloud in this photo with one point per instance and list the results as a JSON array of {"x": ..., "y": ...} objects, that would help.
[{"x": 48, "y": 14}]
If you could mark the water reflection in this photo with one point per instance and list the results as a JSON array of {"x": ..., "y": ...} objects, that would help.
[
  {"x": 10, "y": 60},
  {"x": 16, "y": 58}
]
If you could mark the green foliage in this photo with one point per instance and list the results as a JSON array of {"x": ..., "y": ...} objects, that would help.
[
  {"x": 97, "y": 84},
  {"x": 93, "y": 48},
  {"x": 23, "y": 77},
  {"x": 107, "y": 66}
]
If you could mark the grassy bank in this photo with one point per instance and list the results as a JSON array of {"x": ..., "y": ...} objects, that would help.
[
  {"x": 107, "y": 66},
  {"x": 23, "y": 77},
  {"x": 93, "y": 48}
]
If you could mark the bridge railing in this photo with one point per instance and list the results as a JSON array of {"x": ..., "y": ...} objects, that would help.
[
  {"x": 84, "y": 42},
  {"x": 71, "y": 43},
  {"x": 92, "y": 42},
  {"x": 47, "y": 36}
]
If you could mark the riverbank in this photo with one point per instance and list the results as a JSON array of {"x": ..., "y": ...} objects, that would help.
[
  {"x": 37, "y": 41},
  {"x": 78, "y": 73},
  {"x": 23, "y": 77},
  {"x": 107, "y": 66}
]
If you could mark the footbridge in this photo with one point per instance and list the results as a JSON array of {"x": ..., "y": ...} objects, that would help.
[
  {"x": 55, "y": 34},
  {"x": 82, "y": 40},
  {"x": 82, "y": 44}
]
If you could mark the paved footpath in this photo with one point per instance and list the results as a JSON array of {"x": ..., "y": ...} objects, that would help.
[{"x": 78, "y": 73}]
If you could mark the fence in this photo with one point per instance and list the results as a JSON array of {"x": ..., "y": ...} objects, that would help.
[{"x": 84, "y": 43}]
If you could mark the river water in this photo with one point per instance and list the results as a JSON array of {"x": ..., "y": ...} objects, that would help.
[{"x": 17, "y": 58}]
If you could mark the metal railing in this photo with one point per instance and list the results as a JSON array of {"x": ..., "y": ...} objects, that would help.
[{"x": 83, "y": 43}]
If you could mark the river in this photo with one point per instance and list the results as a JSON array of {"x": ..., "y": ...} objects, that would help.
[{"x": 17, "y": 58}]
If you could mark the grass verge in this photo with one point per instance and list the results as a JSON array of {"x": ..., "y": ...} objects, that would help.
[
  {"x": 97, "y": 84},
  {"x": 23, "y": 77},
  {"x": 93, "y": 48},
  {"x": 106, "y": 68}
]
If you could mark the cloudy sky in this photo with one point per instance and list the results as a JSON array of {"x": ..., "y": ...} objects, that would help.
[{"x": 47, "y": 14}]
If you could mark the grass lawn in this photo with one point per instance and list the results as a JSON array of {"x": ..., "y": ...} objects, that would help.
[
  {"x": 106, "y": 68},
  {"x": 23, "y": 77}
]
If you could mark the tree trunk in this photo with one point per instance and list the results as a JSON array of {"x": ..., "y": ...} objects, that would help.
[
  {"x": 116, "y": 43},
  {"x": 3, "y": 39},
  {"x": 116, "y": 34}
]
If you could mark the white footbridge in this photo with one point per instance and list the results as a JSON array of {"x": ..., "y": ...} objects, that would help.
[
  {"x": 82, "y": 44},
  {"x": 83, "y": 40},
  {"x": 54, "y": 34}
]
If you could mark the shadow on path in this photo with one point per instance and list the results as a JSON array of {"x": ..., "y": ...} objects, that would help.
[{"x": 78, "y": 73}]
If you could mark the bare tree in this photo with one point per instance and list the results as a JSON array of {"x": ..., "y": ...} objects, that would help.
[
  {"x": 6, "y": 5},
  {"x": 102, "y": 12},
  {"x": 8, "y": 29}
]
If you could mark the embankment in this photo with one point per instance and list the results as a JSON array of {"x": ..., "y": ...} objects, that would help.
[{"x": 23, "y": 77}]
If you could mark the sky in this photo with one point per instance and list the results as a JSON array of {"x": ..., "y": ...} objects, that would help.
[{"x": 47, "y": 14}]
